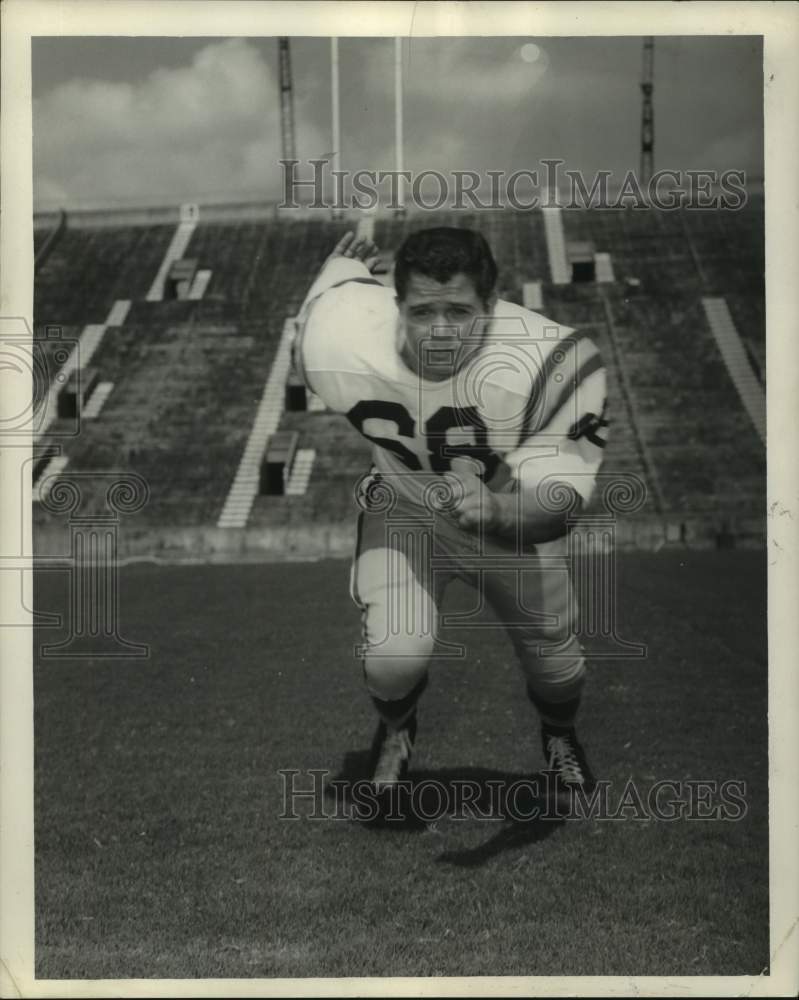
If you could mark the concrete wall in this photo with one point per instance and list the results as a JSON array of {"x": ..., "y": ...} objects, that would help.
[{"x": 337, "y": 540}]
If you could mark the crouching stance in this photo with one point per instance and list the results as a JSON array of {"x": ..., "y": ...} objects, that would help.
[{"x": 487, "y": 427}]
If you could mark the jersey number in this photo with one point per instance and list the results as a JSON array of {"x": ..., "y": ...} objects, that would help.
[{"x": 435, "y": 430}]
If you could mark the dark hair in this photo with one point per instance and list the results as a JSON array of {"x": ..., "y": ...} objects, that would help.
[{"x": 442, "y": 253}]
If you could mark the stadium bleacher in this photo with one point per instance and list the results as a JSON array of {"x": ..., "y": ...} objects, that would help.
[
  {"x": 188, "y": 375},
  {"x": 88, "y": 269},
  {"x": 681, "y": 392}
]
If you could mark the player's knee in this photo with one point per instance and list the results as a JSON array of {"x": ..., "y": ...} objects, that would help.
[{"x": 393, "y": 668}]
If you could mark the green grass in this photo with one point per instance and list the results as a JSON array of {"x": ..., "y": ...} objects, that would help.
[{"x": 159, "y": 847}]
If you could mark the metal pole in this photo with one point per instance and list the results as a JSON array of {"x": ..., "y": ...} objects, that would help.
[
  {"x": 286, "y": 100},
  {"x": 398, "y": 137},
  {"x": 648, "y": 112},
  {"x": 335, "y": 115}
]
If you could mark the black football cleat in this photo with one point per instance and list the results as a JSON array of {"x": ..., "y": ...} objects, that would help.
[{"x": 567, "y": 768}]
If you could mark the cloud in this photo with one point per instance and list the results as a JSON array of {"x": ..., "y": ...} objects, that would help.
[
  {"x": 740, "y": 150},
  {"x": 210, "y": 128},
  {"x": 463, "y": 71},
  {"x": 461, "y": 98},
  {"x": 476, "y": 104}
]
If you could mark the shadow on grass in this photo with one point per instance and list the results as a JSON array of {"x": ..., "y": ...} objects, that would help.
[{"x": 516, "y": 803}]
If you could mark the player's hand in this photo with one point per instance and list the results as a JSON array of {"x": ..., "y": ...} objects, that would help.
[
  {"x": 474, "y": 505},
  {"x": 357, "y": 248}
]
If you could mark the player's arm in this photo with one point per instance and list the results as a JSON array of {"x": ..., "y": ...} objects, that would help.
[
  {"x": 553, "y": 470},
  {"x": 350, "y": 260},
  {"x": 543, "y": 496},
  {"x": 503, "y": 514}
]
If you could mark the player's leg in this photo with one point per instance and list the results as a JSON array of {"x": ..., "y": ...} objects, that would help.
[
  {"x": 393, "y": 583},
  {"x": 538, "y": 607}
]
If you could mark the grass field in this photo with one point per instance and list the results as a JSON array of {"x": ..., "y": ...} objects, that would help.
[{"x": 159, "y": 847}]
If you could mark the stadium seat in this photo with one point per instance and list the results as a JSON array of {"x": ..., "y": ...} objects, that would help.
[
  {"x": 180, "y": 278},
  {"x": 581, "y": 261},
  {"x": 277, "y": 461},
  {"x": 79, "y": 387},
  {"x": 296, "y": 395}
]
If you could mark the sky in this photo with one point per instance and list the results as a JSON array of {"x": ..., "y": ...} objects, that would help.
[{"x": 153, "y": 121}]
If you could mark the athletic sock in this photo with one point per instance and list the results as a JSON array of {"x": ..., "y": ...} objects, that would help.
[
  {"x": 557, "y": 714},
  {"x": 395, "y": 713}
]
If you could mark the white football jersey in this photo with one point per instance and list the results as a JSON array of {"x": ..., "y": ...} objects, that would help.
[{"x": 528, "y": 405}]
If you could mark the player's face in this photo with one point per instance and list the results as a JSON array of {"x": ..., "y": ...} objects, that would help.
[{"x": 438, "y": 324}]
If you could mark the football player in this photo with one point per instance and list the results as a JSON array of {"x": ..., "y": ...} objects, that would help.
[{"x": 487, "y": 427}]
